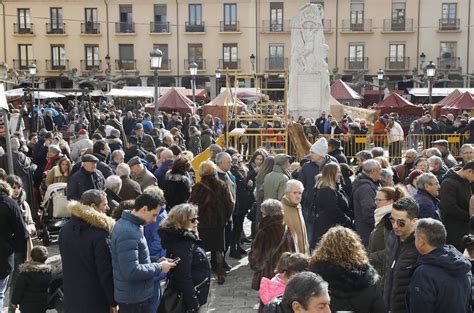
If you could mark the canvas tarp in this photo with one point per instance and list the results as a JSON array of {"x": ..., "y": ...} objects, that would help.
[
  {"x": 173, "y": 101},
  {"x": 218, "y": 106}
]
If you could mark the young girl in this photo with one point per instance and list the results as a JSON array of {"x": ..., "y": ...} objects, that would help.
[{"x": 288, "y": 265}]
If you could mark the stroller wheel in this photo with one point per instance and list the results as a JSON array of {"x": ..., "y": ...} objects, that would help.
[{"x": 45, "y": 237}]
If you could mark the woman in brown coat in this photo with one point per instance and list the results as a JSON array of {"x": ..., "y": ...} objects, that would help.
[
  {"x": 215, "y": 207},
  {"x": 59, "y": 173}
]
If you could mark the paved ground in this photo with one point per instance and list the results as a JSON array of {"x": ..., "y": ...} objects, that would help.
[{"x": 235, "y": 296}]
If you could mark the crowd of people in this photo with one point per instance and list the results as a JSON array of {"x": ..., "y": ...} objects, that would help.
[{"x": 147, "y": 231}]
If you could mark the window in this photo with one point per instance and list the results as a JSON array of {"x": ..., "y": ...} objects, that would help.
[
  {"x": 24, "y": 21},
  {"x": 230, "y": 56},
  {"x": 92, "y": 56},
  {"x": 56, "y": 20},
  {"x": 448, "y": 51},
  {"x": 58, "y": 57},
  {"x": 126, "y": 57},
  {"x": 356, "y": 56},
  {"x": 276, "y": 16},
  {"x": 449, "y": 11},
  {"x": 195, "y": 54},
  {"x": 91, "y": 25},
  {"x": 160, "y": 18},
  {"x": 397, "y": 56},
  {"x": 230, "y": 14},
  {"x": 357, "y": 15},
  {"x": 195, "y": 14},
  {"x": 25, "y": 55},
  {"x": 276, "y": 59},
  {"x": 126, "y": 19},
  {"x": 398, "y": 16},
  {"x": 165, "y": 60}
]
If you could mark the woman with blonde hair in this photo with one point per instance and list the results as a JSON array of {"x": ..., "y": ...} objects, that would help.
[
  {"x": 59, "y": 173},
  {"x": 341, "y": 260},
  {"x": 330, "y": 204}
]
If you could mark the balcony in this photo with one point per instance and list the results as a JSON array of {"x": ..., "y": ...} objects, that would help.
[
  {"x": 356, "y": 64},
  {"x": 231, "y": 65},
  {"x": 327, "y": 26},
  {"x": 397, "y": 63},
  {"x": 393, "y": 26},
  {"x": 276, "y": 64},
  {"x": 91, "y": 65},
  {"x": 56, "y": 28},
  {"x": 201, "y": 63},
  {"x": 449, "y": 24},
  {"x": 125, "y": 28},
  {"x": 126, "y": 65},
  {"x": 449, "y": 64},
  {"x": 90, "y": 28},
  {"x": 22, "y": 64},
  {"x": 57, "y": 65},
  {"x": 165, "y": 65},
  {"x": 194, "y": 27},
  {"x": 229, "y": 28},
  {"x": 23, "y": 28},
  {"x": 159, "y": 27},
  {"x": 274, "y": 27},
  {"x": 364, "y": 26}
]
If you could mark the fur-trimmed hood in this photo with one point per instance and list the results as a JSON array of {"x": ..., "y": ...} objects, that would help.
[
  {"x": 35, "y": 267},
  {"x": 91, "y": 216}
]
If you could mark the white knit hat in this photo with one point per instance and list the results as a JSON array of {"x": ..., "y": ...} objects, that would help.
[{"x": 320, "y": 147}]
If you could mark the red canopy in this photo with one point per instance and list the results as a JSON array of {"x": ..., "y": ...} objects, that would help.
[
  {"x": 396, "y": 103},
  {"x": 463, "y": 102},
  {"x": 341, "y": 91},
  {"x": 173, "y": 101},
  {"x": 201, "y": 94},
  {"x": 446, "y": 101}
]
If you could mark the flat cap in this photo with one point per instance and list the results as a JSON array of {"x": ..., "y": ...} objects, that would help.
[
  {"x": 134, "y": 161},
  {"x": 441, "y": 142},
  {"x": 89, "y": 158}
]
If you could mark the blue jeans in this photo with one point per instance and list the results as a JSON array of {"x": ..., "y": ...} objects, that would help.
[
  {"x": 3, "y": 288},
  {"x": 155, "y": 300}
]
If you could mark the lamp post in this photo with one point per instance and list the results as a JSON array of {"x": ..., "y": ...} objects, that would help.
[
  {"x": 6, "y": 124},
  {"x": 380, "y": 75},
  {"x": 430, "y": 73},
  {"x": 156, "y": 56},
  {"x": 32, "y": 70},
  {"x": 218, "y": 77},
  {"x": 252, "y": 61},
  {"x": 193, "y": 67}
]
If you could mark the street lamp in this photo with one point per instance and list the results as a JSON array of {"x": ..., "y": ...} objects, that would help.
[
  {"x": 6, "y": 124},
  {"x": 380, "y": 74},
  {"x": 193, "y": 67},
  {"x": 430, "y": 73},
  {"x": 252, "y": 61},
  {"x": 218, "y": 77},
  {"x": 32, "y": 70},
  {"x": 156, "y": 56}
]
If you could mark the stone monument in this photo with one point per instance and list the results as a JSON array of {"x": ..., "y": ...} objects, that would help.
[{"x": 309, "y": 88}]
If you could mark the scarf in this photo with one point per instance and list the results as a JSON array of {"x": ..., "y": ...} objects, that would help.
[{"x": 381, "y": 212}]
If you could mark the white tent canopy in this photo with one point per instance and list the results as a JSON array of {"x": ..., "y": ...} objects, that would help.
[
  {"x": 139, "y": 91},
  {"x": 437, "y": 92},
  {"x": 93, "y": 93},
  {"x": 19, "y": 92}
]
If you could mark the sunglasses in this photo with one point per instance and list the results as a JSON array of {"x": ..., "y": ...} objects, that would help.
[
  {"x": 400, "y": 223},
  {"x": 194, "y": 219}
]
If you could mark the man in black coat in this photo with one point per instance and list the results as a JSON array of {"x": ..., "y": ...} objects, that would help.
[
  {"x": 13, "y": 235},
  {"x": 133, "y": 149},
  {"x": 100, "y": 151},
  {"x": 400, "y": 254},
  {"x": 87, "y": 263},
  {"x": 335, "y": 150},
  {"x": 86, "y": 178}
]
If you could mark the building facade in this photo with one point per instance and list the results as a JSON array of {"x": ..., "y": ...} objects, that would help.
[{"x": 398, "y": 36}]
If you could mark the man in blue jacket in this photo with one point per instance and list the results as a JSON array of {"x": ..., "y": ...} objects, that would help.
[
  {"x": 133, "y": 268},
  {"x": 442, "y": 278}
]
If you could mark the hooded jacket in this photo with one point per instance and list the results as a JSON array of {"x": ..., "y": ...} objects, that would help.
[
  {"x": 86, "y": 259},
  {"x": 275, "y": 183},
  {"x": 441, "y": 282},
  {"x": 351, "y": 289}
]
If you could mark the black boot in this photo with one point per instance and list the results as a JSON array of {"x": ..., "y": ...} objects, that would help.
[
  {"x": 234, "y": 253},
  {"x": 241, "y": 250}
]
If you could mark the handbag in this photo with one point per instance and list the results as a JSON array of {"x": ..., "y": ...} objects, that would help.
[{"x": 172, "y": 301}]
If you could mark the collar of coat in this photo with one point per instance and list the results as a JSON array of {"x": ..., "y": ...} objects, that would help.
[
  {"x": 285, "y": 201},
  {"x": 35, "y": 267},
  {"x": 91, "y": 216}
]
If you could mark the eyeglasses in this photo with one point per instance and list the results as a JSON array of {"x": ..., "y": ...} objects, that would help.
[
  {"x": 194, "y": 219},
  {"x": 400, "y": 223}
]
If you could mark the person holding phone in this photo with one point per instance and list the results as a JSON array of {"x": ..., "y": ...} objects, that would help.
[{"x": 192, "y": 274}]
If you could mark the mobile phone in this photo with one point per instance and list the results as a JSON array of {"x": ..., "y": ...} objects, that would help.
[{"x": 175, "y": 261}]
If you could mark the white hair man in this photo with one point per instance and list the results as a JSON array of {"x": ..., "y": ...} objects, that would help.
[{"x": 130, "y": 189}]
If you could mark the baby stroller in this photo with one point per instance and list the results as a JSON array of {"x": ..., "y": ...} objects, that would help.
[{"x": 54, "y": 212}]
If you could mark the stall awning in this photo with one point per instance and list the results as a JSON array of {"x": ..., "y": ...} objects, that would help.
[{"x": 437, "y": 92}]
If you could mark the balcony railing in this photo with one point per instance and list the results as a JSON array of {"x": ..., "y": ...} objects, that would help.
[
  {"x": 125, "y": 27},
  {"x": 354, "y": 64},
  {"x": 327, "y": 26},
  {"x": 194, "y": 27},
  {"x": 23, "y": 64},
  {"x": 57, "y": 65},
  {"x": 447, "y": 24},
  {"x": 397, "y": 63},
  {"x": 201, "y": 63},
  {"x": 451, "y": 64},
  {"x": 127, "y": 65},
  {"x": 159, "y": 27},
  {"x": 276, "y": 64},
  {"x": 165, "y": 65},
  {"x": 403, "y": 25},
  {"x": 225, "y": 27},
  {"x": 92, "y": 28},
  {"x": 23, "y": 28},
  {"x": 363, "y": 26},
  {"x": 89, "y": 65},
  {"x": 56, "y": 28},
  {"x": 231, "y": 65},
  {"x": 275, "y": 27}
]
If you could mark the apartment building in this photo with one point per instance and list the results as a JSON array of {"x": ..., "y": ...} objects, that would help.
[{"x": 397, "y": 36}]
